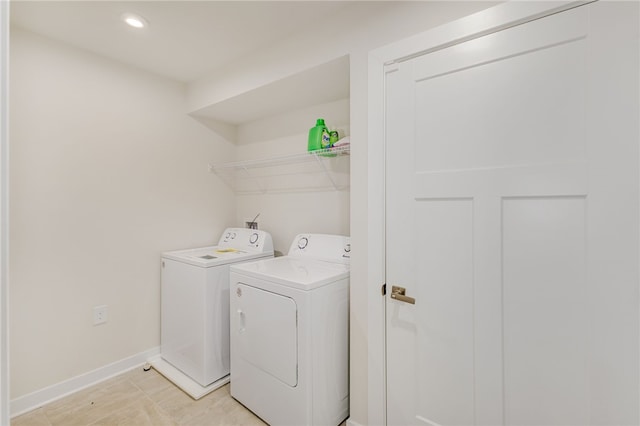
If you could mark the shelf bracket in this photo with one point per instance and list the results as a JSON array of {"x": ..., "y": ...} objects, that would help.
[
  {"x": 324, "y": 168},
  {"x": 255, "y": 179}
]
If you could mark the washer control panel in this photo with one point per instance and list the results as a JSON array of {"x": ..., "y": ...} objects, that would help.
[
  {"x": 246, "y": 240},
  {"x": 330, "y": 248}
]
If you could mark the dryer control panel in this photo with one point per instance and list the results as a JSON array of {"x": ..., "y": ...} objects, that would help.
[
  {"x": 330, "y": 248},
  {"x": 250, "y": 240}
]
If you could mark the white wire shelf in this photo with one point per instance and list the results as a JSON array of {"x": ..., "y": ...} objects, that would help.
[{"x": 319, "y": 170}]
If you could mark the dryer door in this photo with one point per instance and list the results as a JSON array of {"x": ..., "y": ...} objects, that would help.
[{"x": 267, "y": 332}]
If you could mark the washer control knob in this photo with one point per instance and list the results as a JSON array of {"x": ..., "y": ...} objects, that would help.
[
  {"x": 347, "y": 248},
  {"x": 302, "y": 243},
  {"x": 233, "y": 235},
  {"x": 226, "y": 237},
  {"x": 253, "y": 238}
]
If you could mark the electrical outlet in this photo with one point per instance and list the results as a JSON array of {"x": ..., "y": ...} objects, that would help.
[{"x": 99, "y": 314}]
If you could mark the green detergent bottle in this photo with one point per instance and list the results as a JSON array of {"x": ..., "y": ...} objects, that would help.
[{"x": 317, "y": 134}]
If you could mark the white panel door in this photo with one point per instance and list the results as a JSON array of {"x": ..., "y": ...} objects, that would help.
[{"x": 512, "y": 219}]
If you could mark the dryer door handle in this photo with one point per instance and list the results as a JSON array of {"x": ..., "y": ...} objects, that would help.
[{"x": 242, "y": 319}]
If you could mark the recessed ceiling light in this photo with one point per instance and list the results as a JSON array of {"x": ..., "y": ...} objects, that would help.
[{"x": 135, "y": 21}]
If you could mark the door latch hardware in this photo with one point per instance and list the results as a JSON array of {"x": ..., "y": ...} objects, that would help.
[{"x": 398, "y": 293}]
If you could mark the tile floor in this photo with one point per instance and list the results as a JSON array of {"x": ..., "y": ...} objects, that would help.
[{"x": 140, "y": 398}]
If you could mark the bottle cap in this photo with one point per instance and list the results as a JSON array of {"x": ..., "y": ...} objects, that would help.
[{"x": 320, "y": 122}]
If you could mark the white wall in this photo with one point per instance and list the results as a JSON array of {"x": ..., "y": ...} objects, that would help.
[
  {"x": 357, "y": 30},
  {"x": 107, "y": 171}
]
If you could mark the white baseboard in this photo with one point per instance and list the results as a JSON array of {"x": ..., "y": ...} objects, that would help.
[
  {"x": 352, "y": 423},
  {"x": 51, "y": 393}
]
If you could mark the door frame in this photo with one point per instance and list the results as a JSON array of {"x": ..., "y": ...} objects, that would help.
[
  {"x": 380, "y": 62},
  {"x": 4, "y": 212}
]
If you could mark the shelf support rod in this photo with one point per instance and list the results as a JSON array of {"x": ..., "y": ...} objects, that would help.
[
  {"x": 322, "y": 166},
  {"x": 257, "y": 181}
]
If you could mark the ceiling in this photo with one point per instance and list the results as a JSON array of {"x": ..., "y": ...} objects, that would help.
[{"x": 185, "y": 40}]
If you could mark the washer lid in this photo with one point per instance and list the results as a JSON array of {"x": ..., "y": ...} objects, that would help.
[
  {"x": 305, "y": 274},
  {"x": 206, "y": 257}
]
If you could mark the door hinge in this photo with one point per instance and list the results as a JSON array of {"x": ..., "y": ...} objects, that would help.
[{"x": 384, "y": 289}]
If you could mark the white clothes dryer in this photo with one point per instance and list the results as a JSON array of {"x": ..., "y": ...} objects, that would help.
[
  {"x": 194, "y": 341},
  {"x": 290, "y": 333}
]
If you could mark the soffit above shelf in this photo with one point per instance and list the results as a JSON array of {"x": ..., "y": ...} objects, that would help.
[{"x": 324, "y": 83}]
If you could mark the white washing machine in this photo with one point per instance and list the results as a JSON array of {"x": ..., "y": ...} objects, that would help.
[
  {"x": 194, "y": 350},
  {"x": 290, "y": 333}
]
